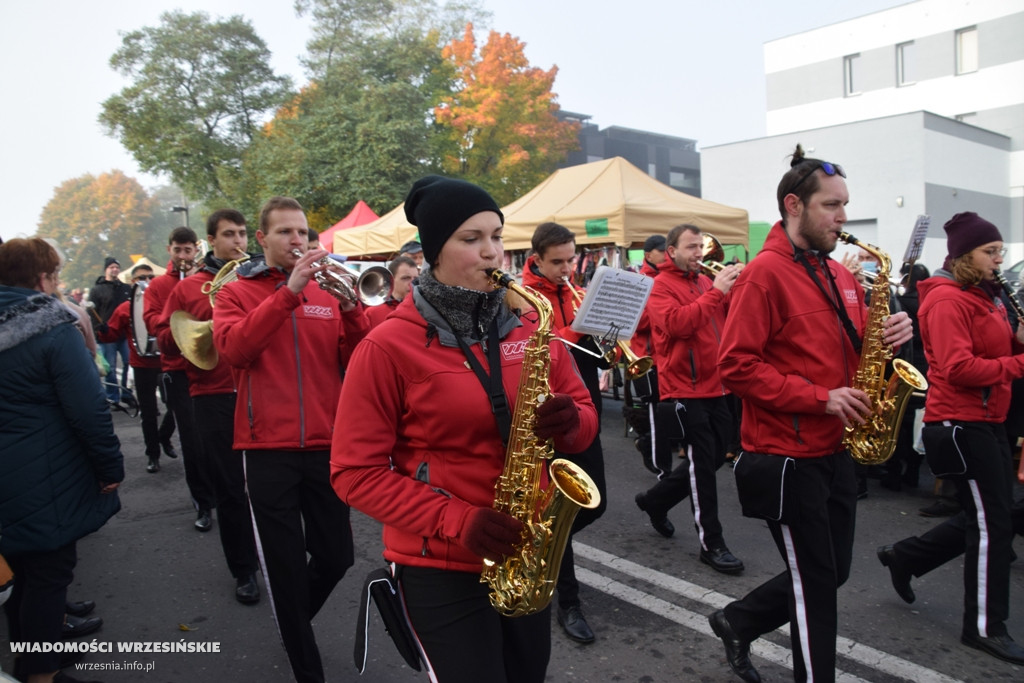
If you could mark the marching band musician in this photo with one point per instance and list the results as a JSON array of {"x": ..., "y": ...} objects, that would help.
[
  {"x": 421, "y": 449},
  {"x": 973, "y": 357},
  {"x": 687, "y": 313},
  {"x": 547, "y": 271},
  {"x": 789, "y": 351},
  {"x": 288, "y": 342},
  {"x": 147, "y": 376},
  {"x": 640, "y": 396},
  {"x": 403, "y": 271},
  {"x": 183, "y": 247},
  {"x": 213, "y": 403}
]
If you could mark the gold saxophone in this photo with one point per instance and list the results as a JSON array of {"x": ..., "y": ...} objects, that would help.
[
  {"x": 873, "y": 442},
  {"x": 523, "y": 582}
]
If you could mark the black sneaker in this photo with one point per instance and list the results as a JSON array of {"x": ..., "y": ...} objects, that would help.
[
  {"x": 940, "y": 508},
  {"x": 203, "y": 521}
]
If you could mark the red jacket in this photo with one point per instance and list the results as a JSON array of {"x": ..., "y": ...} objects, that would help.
[
  {"x": 784, "y": 348},
  {"x": 971, "y": 350},
  {"x": 563, "y": 303},
  {"x": 188, "y": 296},
  {"x": 641, "y": 343},
  {"x": 420, "y": 447},
  {"x": 119, "y": 326},
  {"x": 687, "y": 316},
  {"x": 288, "y": 353},
  {"x": 375, "y": 315},
  {"x": 157, "y": 293}
]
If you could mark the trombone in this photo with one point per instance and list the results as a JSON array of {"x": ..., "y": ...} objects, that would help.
[{"x": 636, "y": 367}]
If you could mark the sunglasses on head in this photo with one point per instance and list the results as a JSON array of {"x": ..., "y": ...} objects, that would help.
[{"x": 827, "y": 167}]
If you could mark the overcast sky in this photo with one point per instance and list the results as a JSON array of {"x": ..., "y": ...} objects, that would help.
[{"x": 677, "y": 67}]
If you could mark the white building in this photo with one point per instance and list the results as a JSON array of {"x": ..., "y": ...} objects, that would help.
[{"x": 923, "y": 105}]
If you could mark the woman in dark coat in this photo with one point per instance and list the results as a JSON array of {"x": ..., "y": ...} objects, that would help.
[{"x": 60, "y": 462}]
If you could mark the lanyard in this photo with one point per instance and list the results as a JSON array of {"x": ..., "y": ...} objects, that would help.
[
  {"x": 491, "y": 383},
  {"x": 834, "y": 300}
]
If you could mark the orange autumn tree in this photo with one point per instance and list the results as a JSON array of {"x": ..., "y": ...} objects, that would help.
[{"x": 499, "y": 127}]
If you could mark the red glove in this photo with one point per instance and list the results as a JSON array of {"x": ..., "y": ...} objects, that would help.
[
  {"x": 490, "y": 534},
  {"x": 557, "y": 416}
]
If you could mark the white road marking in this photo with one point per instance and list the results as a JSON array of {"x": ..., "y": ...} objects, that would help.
[{"x": 862, "y": 654}]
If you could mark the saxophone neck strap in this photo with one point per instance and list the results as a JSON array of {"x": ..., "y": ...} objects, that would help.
[
  {"x": 834, "y": 300},
  {"x": 491, "y": 382}
]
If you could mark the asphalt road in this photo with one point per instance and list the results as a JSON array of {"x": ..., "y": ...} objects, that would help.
[{"x": 157, "y": 580}]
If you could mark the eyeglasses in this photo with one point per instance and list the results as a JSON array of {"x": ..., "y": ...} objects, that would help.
[
  {"x": 827, "y": 167},
  {"x": 993, "y": 252}
]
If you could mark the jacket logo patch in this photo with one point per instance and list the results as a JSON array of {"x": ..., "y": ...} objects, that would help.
[
  {"x": 311, "y": 311},
  {"x": 851, "y": 296},
  {"x": 513, "y": 350}
]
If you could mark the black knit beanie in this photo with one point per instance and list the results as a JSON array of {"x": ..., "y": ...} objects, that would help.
[
  {"x": 438, "y": 206},
  {"x": 967, "y": 231}
]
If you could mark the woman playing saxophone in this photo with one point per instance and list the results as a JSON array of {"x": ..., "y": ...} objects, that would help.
[{"x": 420, "y": 448}]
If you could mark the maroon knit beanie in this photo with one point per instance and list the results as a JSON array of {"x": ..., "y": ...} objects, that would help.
[{"x": 967, "y": 231}]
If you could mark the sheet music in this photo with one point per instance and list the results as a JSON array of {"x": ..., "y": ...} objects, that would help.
[
  {"x": 614, "y": 301},
  {"x": 917, "y": 236}
]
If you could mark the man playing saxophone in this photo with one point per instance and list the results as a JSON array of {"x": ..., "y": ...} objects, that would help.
[
  {"x": 288, "y": 342},
  {"x": 213, "y": 400},
  {"x": 790, "y": 350},
  {"x": 425, "y": 412}
]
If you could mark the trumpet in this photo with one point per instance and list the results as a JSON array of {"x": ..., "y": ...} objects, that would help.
[
  {"x": 636, "y": 367},
  {"x": 712, "y": 252},
  {"x": 184, "y": 267},
  {"x": 370, "y": 287}
]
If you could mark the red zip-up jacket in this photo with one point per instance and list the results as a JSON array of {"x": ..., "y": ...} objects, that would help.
[
  {"x": 188, "y": 297},
  {"x": 157, "y": 293},
  {"x": 420, "y": 447},
  {"x": 687, "y": 317},
  {"x": 375, "y": 314},
  {"x": 119, "y": 326},
  {"x": 784, "y": 348},
  {"x": 560, "y": 295},
  {"x": 641, "y": 343},
  {"x": 288, "y": 354},
  {"x": 972, "y": 353}
]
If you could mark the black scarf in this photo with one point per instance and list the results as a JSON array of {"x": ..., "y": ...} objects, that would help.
[{"x": 468, "y": 312}]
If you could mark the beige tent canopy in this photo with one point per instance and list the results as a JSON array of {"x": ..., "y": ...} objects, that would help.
[
  {"x": 126, "y": 273},
  {"x": 613, "y": 202},
  {"x": 382, "y": 237},
  {"x": 603, "y": 202}
]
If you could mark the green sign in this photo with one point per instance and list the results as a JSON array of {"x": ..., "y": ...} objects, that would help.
[{"x": 597, "y": 227}]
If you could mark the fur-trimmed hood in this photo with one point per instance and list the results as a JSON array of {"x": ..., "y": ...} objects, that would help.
[{"x": 26, "y": 313}]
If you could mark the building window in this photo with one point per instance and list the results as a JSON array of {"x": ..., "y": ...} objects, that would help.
[
  {"x": 851, "y": 74},
  {"x": 967, "y": 50},
  {"x": 905, "y": 64}
]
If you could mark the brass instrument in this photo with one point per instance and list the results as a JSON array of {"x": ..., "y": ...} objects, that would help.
[
  {"x": 370, "y": 287},
  {"x": 1011, "y": 296},
  {"x": 195, "y": 337},
  {"x": 873, "y": 442},
  {"x": 227, "y": 273},
  {"x": 523, "y": 582},
  {"x": 636, "y": 367},
  {"x": 712, "y": 254}
]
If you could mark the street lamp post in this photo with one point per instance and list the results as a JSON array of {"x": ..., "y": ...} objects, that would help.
[{"x": 180, "y": 209}]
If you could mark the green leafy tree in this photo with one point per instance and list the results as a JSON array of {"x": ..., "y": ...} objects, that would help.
[
  {"x": 499, "y": 122},
  {"x": 199, "y": 92},
  {"x": 361, "y": 129},
  {"x": 92, "y": 217}
]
